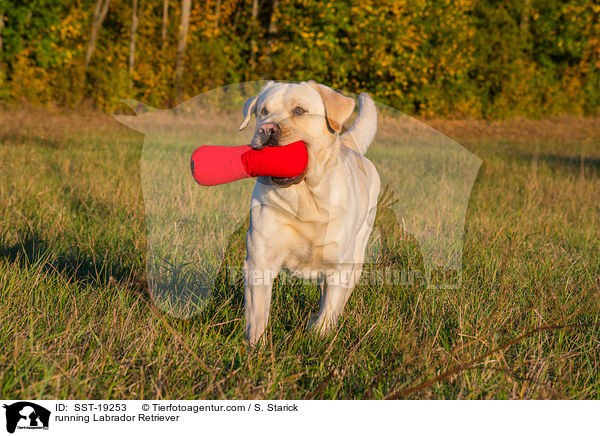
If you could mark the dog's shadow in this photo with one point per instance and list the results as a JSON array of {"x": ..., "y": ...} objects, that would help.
[{"x": 33, "y": 249}]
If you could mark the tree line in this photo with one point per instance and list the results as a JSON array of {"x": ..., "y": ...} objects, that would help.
[{"x": 486, "y": 58}]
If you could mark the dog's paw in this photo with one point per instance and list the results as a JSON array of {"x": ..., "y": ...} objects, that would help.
[
  {"x": 321, "y": 325},
  {"x": 256, "y": 337}
]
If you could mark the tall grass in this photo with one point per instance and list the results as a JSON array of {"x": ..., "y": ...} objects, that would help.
[{"x": 76, "y": 320}]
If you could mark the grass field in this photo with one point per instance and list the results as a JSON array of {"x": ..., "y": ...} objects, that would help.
[{"x": 76, "y": 320}]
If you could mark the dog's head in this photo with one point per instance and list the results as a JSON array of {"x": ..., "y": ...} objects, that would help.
[{"x": 288, "y": 112}]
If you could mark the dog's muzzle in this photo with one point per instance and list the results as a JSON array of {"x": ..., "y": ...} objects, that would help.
[
  {"x": 267, "y": 135},
  {"x": 271, "y": 135}
]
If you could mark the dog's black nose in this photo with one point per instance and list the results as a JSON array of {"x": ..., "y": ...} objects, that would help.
[
  {"x": 267, "y": 134},
  {"x": 269, "y": 129}
]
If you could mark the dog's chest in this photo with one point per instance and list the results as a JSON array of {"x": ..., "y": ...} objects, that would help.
[{"x": 311, "y": 251}]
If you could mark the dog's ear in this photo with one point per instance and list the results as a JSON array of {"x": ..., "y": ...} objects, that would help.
[
  {"x": 250, "y": 105},
  {"x": 338, "y": 107},
  {"x": 249, "y": 109}
]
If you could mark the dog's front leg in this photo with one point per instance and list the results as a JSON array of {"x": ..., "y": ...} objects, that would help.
[
  {"x": 336, "y": 287},
  {"x": 266, "y": 247},
  {"x": 257, "y": 299}
]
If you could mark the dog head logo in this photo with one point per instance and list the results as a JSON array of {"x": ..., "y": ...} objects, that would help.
[
  {"x": 26, "y": 415},
  {"x": 196, "y": 234}
]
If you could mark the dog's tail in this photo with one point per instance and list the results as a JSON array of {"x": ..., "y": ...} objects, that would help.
[{"x": 360, "y": 135}]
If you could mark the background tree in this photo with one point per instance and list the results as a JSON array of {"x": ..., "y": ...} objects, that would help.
[
  {"x": 100, "y": 12},
  {"x": 253, "y": 35},
  {"x": 1, "y": 46},
  {"x": 165, "y": 20},
  {"x": 134, "y": 25},
  {"x": 184, "y": 25}
]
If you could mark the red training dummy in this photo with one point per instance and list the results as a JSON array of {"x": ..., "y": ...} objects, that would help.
[{"x": 214, "y": 165}]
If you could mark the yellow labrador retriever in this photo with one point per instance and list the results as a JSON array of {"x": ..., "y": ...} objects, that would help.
[{"x": 315, "y": 226}]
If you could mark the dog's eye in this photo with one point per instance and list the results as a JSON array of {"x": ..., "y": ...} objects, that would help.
[
  {"x": 264, "y": 111},
  {"x": 299, "y": 110}
]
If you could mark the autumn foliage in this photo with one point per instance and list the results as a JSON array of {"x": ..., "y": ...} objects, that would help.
[{"x": 471, "y": 58}]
